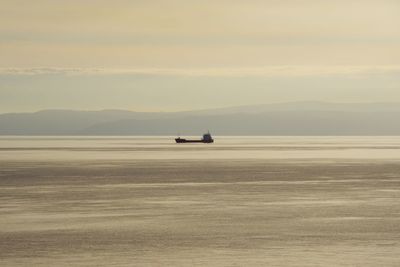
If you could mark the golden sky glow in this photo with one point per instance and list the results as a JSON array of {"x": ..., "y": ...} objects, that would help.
[
  {"x": 208, "y": 37},
  {"x": 199, "y": 33}
]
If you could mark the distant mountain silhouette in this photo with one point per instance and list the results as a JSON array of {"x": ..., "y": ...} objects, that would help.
[{"x": 297, "y": 118}]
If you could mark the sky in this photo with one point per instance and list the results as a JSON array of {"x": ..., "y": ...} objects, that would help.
[{"x": 169, "y": 55}]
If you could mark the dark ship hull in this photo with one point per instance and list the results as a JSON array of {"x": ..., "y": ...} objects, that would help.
[
  {"x": 182, "y": 140},
  {"x": 206, "y": 139}
]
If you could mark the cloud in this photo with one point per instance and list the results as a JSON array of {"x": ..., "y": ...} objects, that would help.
[{"x": 270, "y": 71}]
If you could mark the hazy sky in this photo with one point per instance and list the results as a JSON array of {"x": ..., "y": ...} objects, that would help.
[{"x": 184, "y": 54}]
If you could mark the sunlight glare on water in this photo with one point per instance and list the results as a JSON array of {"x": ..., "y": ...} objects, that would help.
[
  {"x": 67, "y": 148},
  {"x": 242, "y": 201}
]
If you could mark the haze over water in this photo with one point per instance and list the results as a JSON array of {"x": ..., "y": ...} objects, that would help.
[
  {"x": 145, "y": 147},
  {"x": 242, "y": 201}
]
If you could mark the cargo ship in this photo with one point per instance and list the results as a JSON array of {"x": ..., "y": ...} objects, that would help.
[{"x": 206, "y": 139}]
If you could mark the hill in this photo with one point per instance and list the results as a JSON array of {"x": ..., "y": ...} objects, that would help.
[{"x": 298, "y": 118}]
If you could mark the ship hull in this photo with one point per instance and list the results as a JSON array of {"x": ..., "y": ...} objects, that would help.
[{"x": 181, "y": 140}]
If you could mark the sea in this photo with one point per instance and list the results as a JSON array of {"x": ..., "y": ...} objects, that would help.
[{"x": 241, "y": 201}]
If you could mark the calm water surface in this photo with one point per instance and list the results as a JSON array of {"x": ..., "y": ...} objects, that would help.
[
  {"x": 242, "y": 201},
  {"x": 53, "y": 148}
]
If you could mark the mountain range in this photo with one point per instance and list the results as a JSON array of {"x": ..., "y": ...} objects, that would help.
[{"x": 295, "y": 118}]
